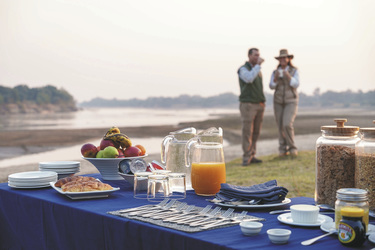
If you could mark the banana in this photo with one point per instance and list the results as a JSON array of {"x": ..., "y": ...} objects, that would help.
[
  {"x": 121, "y": 139},
  {"x": 113, "y": 130}
]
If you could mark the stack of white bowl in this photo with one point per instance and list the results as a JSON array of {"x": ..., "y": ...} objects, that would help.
[
  {"x": 62, "y": 168},
  {"x": 31, "y": 179}
]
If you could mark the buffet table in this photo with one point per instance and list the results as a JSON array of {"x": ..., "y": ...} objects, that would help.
[{"x": 44, "y": 219}]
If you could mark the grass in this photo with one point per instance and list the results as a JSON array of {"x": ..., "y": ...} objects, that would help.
[{"x": 297, "y": 175}]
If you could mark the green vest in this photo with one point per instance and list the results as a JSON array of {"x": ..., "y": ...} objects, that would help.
[{"x": 252, "y": 92}]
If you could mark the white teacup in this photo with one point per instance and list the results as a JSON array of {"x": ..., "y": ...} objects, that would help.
[
  {"x": 304, "y": 213},
  {"x": 280, "y": 73}
]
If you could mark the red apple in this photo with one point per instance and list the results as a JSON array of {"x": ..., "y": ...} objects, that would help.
[
  {"x": 105, "y": 143},
  {"x": 89, "y": 150},
  {"x": 120, "y": 153},
  {"x": 132, "y": 152}
]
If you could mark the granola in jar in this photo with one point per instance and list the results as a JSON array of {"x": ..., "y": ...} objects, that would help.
[{"x": 335, "y": 161}]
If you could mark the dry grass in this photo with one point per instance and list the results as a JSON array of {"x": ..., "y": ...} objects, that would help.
[{"x": 297, "y": 175}]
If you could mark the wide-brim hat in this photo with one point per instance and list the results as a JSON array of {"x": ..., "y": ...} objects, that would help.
[{"x": 284, "y": 53}]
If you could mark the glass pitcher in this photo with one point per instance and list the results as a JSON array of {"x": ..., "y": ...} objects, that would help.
[
  {"x": 173, "y": 152},
  {"x": 204, "y": 154}
]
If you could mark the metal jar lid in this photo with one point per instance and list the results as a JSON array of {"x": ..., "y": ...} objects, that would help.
[
  {"x": 351, "y": 194},
  {"x": 340, "y": 129}
]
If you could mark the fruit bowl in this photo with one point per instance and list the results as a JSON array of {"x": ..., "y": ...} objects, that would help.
[{"x": 109, "y": 167}]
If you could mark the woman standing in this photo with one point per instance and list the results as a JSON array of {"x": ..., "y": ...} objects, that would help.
[{"x": 285, "y": 81}]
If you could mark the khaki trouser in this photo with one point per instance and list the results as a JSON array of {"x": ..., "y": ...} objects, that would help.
[
  {"x": 252, "y": 117},
  {"x": 285, "y": 115}
]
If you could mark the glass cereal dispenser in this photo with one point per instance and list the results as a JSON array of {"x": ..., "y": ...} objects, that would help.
[
  {"x": 365, "y": 163},
  {"x": 335, "y": 161}
]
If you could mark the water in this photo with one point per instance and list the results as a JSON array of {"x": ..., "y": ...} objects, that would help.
[
  {"x": 108, "y": 117},
  {"x": 99, "y": 118}
]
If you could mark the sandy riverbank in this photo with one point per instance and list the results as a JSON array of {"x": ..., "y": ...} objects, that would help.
[
  {"x": 26, "y": 142},
  {"x": 231, "y": 152}
]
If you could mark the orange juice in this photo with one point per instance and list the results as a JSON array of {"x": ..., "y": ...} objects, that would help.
[{"x": 206, "y": 177}]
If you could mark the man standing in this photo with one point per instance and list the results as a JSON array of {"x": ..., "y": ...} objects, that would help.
[{"x": 252, "y": 105}]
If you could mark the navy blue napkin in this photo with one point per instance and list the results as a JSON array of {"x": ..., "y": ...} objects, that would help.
[{"x": 266, "y": 193}]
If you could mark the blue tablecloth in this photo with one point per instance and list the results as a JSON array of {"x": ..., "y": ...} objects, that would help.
[{"x": 44, "y": 219}]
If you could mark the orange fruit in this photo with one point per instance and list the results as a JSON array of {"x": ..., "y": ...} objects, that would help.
[{"x": 143, "y": 150}]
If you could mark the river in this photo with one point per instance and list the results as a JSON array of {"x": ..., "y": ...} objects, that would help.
[{"x": 97, "y": 118}]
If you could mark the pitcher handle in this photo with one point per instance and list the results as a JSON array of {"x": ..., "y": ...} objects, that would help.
[
  {"x": 164, "y": 148},
  {"x": 188, "y": 145}
]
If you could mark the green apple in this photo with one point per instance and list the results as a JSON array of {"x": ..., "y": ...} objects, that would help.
[
  {"x": 110, "y": 152},
  {"x": 100, "y": 154}
]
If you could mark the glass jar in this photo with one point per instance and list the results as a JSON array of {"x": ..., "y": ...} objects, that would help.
[
  {"x": 351, "y": 197},
  {"x": 365, "y": 163},
  {"x": 351, "y": 228},
  {"x": 335, "y": 161}
]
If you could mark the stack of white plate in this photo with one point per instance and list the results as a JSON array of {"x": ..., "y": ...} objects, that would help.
[
  {"x": 31, "y": 179},
  {"x": 62, "y": 168}
]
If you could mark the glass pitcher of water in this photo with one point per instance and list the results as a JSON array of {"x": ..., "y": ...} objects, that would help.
[
  {"x": 173, "y": 152},
  {"x": 204, "y": 154}
]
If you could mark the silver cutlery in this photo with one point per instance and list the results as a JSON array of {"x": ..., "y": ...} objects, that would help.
[
  {"x": 235, "y": 220},
  {"x": 326, "y": 207},
  {"x": 187, "y": 214},
  {"x": 223, "y": 216},
  {"x": 148, "y": 214},
  {"x": 197, "y": 217},
  {"x": 192, "y": 216},
  {"x": 146, "y": 207},
  {"x": 234, "y": 203},
  {"x": 311, "y": 241},
  {"x": 210, "y": 215},
  {"x": 170, "y": 212}
]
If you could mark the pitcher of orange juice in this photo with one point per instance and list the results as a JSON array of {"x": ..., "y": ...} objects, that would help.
[{"x": 205, "y": 155}]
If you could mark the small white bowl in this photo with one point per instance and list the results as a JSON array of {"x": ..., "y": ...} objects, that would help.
[
  {"x": 250, "y": 228},
  {"x": 278, "y": 235},
  {"x": 304, "y": 213}
]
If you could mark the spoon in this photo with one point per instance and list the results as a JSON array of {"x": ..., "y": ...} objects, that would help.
[
  {"x": 311, "y": 241},
  {"x": 326, "y": 206}
]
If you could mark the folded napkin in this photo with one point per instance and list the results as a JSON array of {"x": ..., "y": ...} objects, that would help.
[{"x": 267, "y": 193}]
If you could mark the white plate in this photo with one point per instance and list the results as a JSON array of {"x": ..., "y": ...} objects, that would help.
[
  {"x": 327, "y": 226},
  {"x": 287, "y": 219},
  {"x": 59, "y": 171},
  {"x": 59, "y": 164},
  {"x": 371, "y": 237},
  {"x": 32, "y": 175},
  {"x": 286, "y": 201},
  {"x": 27, "y": 187},
  {"x": 84, "y": 195}
]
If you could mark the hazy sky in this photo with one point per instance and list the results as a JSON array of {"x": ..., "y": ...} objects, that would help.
[{"x": 124, "y": 49}]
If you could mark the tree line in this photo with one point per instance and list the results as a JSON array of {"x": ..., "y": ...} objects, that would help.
[
  {"x": 40, "y": 96},
  {"x": 330, "y": 99}
]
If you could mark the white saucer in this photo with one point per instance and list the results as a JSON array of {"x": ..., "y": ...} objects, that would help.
[
  {"x": 371, "y": 237},
  {"x": 327, "y": 226},
  {"x": 287, "y": 219}
]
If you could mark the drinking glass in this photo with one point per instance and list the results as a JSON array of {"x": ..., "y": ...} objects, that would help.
[
  {"x": 177, "y": 186},
  {"x": 140, "y": 184},
  {"x": 158, "y": 187}
]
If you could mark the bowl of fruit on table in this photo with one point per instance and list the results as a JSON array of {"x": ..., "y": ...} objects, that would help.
[{"x": 115, "y": 150}]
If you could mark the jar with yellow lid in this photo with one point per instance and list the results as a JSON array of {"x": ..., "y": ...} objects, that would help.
[
  {"x": 335, "y": 160},
  {"x": 354, "y": 198},
  {"x": 365, "y": 163},
  {"x": 351, "y": 230}
]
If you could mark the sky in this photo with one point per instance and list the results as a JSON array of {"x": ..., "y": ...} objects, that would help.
[{"x": 137, "y": 49}]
